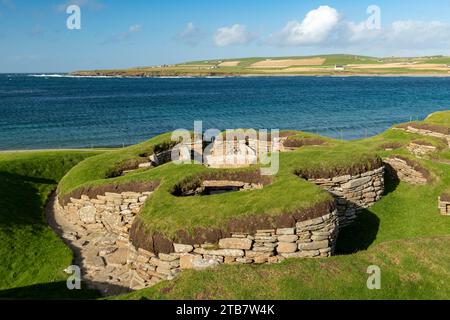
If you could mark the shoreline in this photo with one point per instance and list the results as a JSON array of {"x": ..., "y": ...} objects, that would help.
[{"x": 367, "y": 75}]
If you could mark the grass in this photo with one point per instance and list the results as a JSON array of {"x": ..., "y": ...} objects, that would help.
[{"x": 32, "y": 256}]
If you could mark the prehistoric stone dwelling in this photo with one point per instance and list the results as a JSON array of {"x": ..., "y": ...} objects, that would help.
[
  {"x": 444, "y": 204},
  {"x": 407, "y": 170},
  {"x": 354, "y": 192},
  {"x": 101, "y": 233},
  {"x": 421, "y": 148}
]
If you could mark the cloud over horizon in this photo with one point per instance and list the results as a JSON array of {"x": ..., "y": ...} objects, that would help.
[
  {"x": 325, "y": 26},
  {"x": 190, "y": 35},
  {"x": 136, "y": 28},
  {"x": 236, "y": 34}
]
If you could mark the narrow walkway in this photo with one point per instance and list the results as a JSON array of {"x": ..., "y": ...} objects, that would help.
[{"x": 90, "y": 245}]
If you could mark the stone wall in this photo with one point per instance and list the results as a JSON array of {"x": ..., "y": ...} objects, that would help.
[
  {"x": 425, "y": 132},
  {"x": 444, "y": 205},
  {"x": 311, "y": 238},
  {"x": 406, "y": 170},
  {"x": 354, "y": 192},
  {"x": 109, "y": 258},
  {"x": 98, "y": 231},
  {"x": 420, "y": 149}
]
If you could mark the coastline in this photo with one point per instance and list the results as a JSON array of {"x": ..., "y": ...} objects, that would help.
[{"x": 256, "y": 75}]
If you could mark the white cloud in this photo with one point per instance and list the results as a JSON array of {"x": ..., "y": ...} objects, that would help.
[
  {"x": 315, "y": 28},
  {"x": 325, "y": 27},
  {"x": 136, "y": 28},
  {"x": 419, "y": 34},
  {"x": 233, "y": 35},
  {"x": 190, "y": 35}
]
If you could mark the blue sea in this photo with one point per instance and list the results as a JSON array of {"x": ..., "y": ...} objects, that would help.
[{"x": 53, "y": 111}]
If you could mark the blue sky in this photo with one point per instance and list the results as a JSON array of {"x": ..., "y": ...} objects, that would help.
[{"x": 119, "y": 34}]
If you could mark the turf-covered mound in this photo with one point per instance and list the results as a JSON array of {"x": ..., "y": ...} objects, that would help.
[{"x": 280, "y": 200}]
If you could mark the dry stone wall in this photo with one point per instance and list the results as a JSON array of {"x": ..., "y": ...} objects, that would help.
[
  {"x": 109, "y": 258},
  {"x": 354, "y": 192},
  {"x": 425, "y": 132},
  {"x": 420, "y": 149},
  {"x": 407, "y": 171},
  {"x": 444, "y": 205}
]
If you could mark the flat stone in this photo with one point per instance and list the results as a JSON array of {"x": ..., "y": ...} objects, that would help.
[
  {"x": 167, "y": 257},
  {"x": 356, "y": 183},
  {"x": 119, "y": 257},
  {"x": 235, "y": 243},
  {"x": 221, "y": 252},
  {"x": 182, "y": 248},
  {"x": 341, "y": 179},
  {"x": 285, "y": 231},
  {"x": 87, "y": 214},
  {"x": 105, "y": 251},
  {"x": 302, "y": 254},
  {"x": 262, "y": 249},
  {"x": 288, "y": 238},
  {"x": 315, "y": 245},
  {"x": 190, "y": 261},
  {"x": 95, "y": 261},
  {"x": 286, "y": 247},
  {"x": 164, "y": 264},
  {"x": 244, "y": 260}
]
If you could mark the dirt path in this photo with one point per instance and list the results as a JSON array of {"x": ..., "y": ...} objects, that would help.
[{"x": 90, "y": 246}]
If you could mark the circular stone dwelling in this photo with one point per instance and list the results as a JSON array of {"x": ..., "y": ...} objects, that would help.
[{"x": 135, "y": 218}]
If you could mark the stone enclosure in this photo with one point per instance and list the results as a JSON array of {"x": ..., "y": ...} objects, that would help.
[
  {"x": 406, "y": 170},
  {"x": 444, "y": 204},
  {"x": 108, "y": 257},
  {"x": 354, "y": 192},
  {"x": 421, "y": 149}
]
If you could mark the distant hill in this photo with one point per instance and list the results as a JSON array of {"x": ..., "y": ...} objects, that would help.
[{"x": 333, "y": 64}]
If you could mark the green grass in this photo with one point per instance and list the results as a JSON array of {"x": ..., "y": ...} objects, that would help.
[
  {"x": 32, "y": 256},
  {"x": 439, "y": 118}
]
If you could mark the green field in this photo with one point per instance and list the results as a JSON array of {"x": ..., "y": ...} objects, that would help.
[{"x": 437, "y": 65}]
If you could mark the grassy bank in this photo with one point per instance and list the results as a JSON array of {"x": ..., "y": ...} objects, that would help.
[{"x": 32, "y": 256}]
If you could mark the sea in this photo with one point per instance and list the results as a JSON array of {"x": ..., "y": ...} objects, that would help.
[{"x": 39, "y": 111}]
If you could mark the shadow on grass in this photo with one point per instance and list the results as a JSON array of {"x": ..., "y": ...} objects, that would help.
[
  {"x": 359, "y": 235},
  {"x": 55, "y": 290},
  {"x": 391, "y": 180},
  {"x": 363, "y": 231},
  {"x": 20, "y": 200}
]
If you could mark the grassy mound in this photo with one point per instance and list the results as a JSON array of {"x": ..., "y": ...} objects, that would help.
[
  {"x": 32, "y": 256},
  {"x": 180, "y": 218}
]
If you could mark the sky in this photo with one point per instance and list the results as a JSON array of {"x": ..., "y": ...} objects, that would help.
[{"x": 119, "y": 34}]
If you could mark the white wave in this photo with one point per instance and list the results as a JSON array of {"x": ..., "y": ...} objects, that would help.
[{"x": 46, "y": 75}]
